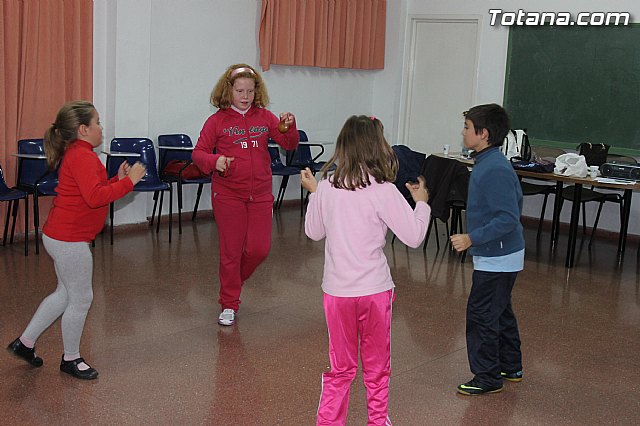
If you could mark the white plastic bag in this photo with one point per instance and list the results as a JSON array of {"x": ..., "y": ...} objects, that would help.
[{"x": 571, "y": 165}]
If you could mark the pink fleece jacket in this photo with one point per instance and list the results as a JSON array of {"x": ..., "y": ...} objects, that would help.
[{"x": 355, "y": 225}]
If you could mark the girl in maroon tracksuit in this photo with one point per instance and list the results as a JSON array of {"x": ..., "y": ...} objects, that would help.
[{"x": 233, "y": 143}]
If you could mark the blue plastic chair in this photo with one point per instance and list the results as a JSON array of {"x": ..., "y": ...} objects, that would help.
[
  {"x": 279, "y": 169},
  {"x": 183, "y": 142},
  {"x": 151, "y": 182},
  {"x": 13, "y": 196},
  {"x": 35, "y": 178},
  {"x": 302, "y": 158}
]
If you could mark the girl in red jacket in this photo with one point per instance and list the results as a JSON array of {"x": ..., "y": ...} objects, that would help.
[
  {"x": 78, "y": 214},
  {"x": 233, "y": 142}
]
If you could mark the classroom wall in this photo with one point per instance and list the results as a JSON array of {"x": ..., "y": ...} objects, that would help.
[
  {"x": 155, "y": 65},
  {"x": 491, "y": 70}
]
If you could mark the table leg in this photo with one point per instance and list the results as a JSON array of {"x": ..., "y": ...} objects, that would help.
[
  {"x": 573, "y": 226},
  {"x": 624, "y": 224},
  {"x": 555, "y": 225}
]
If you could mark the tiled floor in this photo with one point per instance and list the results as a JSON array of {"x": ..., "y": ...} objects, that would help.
[{"x": 152, "y": 335}]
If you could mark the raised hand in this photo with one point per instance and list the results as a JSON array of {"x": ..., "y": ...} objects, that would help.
[
  {"x": 418, "y": 190},
  {"x": 137, "y": 172},
  {"x": 308, "y": 180},
  {"x": 123, "y": 170}
]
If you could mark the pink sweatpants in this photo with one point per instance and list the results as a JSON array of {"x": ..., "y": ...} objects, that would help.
[
  {"x": 244, "y": 232},
  {"x": 351, "y": 320}
]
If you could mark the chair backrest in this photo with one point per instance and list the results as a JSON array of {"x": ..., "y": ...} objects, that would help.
[
  {"x": 276, "y": 161},
  {"x": 301, "y": 156},
  {"x": 448, "y": 181},
  {"x": 174, "y": 140},
  {"x": 34, "y": 172},
  {"x": 409, "y": 167},
  {"x": 142, "y": 146},
  {"x": 3, "y": 185}
]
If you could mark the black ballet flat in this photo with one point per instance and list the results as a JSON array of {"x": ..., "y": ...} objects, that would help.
[
  {"x": 18, "y": 349},
  {"x": 71, "y": 367}
]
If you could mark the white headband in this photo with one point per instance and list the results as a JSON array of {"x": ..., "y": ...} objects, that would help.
[{"x": 241, "y": 69}]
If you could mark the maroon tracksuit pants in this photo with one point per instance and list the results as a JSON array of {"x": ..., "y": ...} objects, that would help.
[{"x": 244, "y": 232}]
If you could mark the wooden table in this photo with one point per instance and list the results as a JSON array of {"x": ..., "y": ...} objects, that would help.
[{"x": 575, "y": 208}]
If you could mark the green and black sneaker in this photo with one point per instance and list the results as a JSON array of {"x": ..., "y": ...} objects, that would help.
[
  {"x": 474, "y": 388},
  {"x": 512, "y": 377}
]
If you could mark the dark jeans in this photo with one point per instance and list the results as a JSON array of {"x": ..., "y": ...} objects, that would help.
[{"x": 493, "y": 341}]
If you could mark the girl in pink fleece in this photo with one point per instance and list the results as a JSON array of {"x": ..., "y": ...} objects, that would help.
[{"x": 352, "y": 209}]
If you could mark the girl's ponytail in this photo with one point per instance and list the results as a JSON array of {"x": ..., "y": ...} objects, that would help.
[{"x": 64, "y": 130}]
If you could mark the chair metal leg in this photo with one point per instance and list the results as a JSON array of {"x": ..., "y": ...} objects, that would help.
[
  {"x": 170, "y": 212},
  {"x": 426, "y": 237},
  {"x": 13, "y": 224},
  {"x": 595, "y": 223},
  {"x": 36, "y": 220},
  {"x": 281, "y": 191},
  {"x": 6, "y": 223},
  {"x": 111, "y": 209},
  {"x": 544, "y": 208},
  {"x": 14, "y": 213},
  {"x": 179, "y": 185},
  {"x": 155, "y": 205},
  {"x": 159, "y": 210},
  {"x": 26, "y": 224},
  {"x": 195, "y": 208},
  {"x": 584, "y": 218},
  {"x": 432, "y": 224}
]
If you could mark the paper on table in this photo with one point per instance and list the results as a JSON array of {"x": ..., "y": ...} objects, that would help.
[{"x": 616, "y": 181}]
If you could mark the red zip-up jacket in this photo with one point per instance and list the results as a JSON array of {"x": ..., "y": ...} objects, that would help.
[
  {"x": 84, "y": 193},
  {"x": 225, "y": 132}
]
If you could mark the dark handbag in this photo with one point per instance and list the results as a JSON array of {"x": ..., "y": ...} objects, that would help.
[
  {"x": 539, "y": 166},
  {"x": 595, "y": 154},
  {"x": 183, "y": 168}
]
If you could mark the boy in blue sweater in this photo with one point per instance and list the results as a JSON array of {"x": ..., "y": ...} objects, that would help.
[{"x": 496, "y": 242}]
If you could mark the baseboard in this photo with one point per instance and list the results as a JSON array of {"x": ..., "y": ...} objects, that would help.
[
  {"x": 290, "y": 204},
  {"x": 564, "y": 228}
]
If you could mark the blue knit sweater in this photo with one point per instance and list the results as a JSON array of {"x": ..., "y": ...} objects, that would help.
[{"x": 494, "y": 206}]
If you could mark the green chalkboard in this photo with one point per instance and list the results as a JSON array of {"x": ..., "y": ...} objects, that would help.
[{"x": 568, "y": 85}]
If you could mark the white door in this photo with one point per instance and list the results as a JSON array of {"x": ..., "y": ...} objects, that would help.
[{"x": 441, "y": 75}]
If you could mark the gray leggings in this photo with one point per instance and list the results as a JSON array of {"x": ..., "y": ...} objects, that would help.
[{"x": 71, "y": 299}]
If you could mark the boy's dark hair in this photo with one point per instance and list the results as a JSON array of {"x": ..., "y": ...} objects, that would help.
[{"x": 492, "y": 117}]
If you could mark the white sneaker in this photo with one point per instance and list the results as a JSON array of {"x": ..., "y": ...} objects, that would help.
[{"x": 227, "y": 317}]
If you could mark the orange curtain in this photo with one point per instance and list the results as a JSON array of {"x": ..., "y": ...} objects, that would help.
[
  {"x": 46, "y": 60},
  {"x": 323, "y": 33}
]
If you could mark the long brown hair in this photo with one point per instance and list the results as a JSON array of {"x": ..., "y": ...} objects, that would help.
[
  {"x": 361, "y": 150},
  {"x": 64, "y": 130},
  {"x": 222, "y": 92}
]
